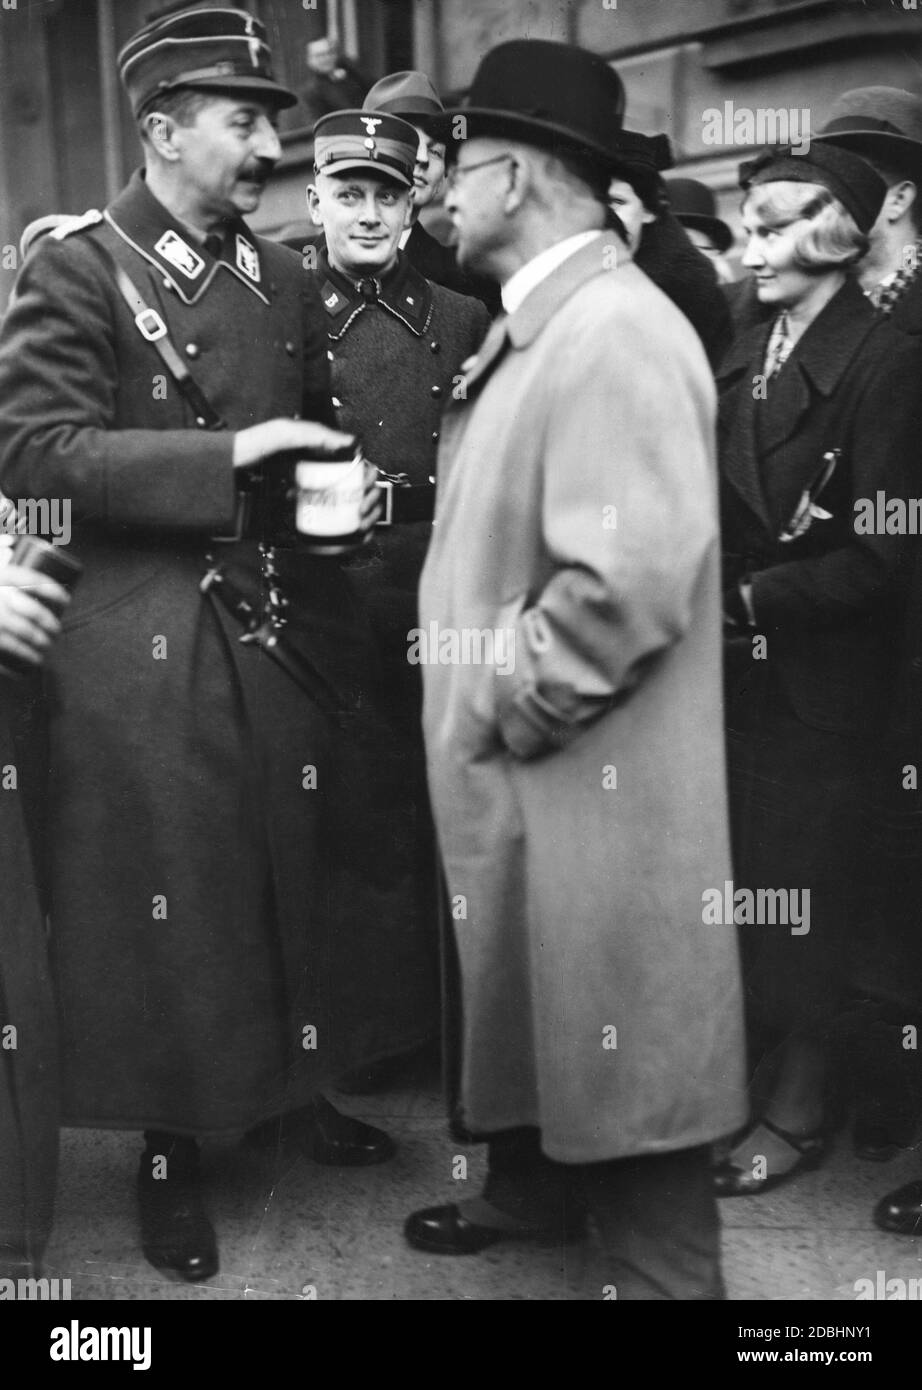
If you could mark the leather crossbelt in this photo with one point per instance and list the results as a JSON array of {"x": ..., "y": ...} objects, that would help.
[{"x": 151, "y": 326}]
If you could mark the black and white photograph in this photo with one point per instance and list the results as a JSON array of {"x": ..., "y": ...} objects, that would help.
[{"x": 460, "y": 660}]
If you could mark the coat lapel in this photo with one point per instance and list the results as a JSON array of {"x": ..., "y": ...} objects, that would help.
[
  {"x": 817, "y": 364},
  {"x": 765, "y": 473},
  {"x": 739, "y": 451},
  {"x": 520, "y": 329}
]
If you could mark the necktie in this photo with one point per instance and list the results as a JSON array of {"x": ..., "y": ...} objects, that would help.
[
  {"x": 779, "y": 346},
  {"x": 213, "y": 244}
]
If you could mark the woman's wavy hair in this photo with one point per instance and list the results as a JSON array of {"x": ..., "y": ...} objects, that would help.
[{"x": 831, "y": 239}]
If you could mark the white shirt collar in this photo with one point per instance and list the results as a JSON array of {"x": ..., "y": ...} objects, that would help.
[{"x": 529, "y": 276}]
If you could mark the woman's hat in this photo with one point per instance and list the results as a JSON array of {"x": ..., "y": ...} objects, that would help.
[
  {"x": 553, "y": 95},
  {"x": 694, "y": 204},
  {"x": 858, "y": 187}
]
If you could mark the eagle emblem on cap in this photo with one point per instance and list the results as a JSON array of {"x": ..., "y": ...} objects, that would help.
[{"x": 370, "y": 122}]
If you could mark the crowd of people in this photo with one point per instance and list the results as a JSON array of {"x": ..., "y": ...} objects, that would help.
[{"x": 259, "y": 852}]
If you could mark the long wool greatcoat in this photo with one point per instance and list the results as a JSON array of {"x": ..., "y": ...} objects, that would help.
[
  {"x": 580, "y": 798},
  {"x": 209, "y": 823},
  {"x": 28, "y": 1033}
]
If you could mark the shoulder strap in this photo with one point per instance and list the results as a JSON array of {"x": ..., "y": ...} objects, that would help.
[{"x": 151, "y": 327}]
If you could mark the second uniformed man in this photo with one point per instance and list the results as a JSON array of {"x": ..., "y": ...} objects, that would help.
[{"x": 397, "y": 343}]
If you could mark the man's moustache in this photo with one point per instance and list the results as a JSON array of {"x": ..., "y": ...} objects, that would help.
[{"x": 259, "y": 173}]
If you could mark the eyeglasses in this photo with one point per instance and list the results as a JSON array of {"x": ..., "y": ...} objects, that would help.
[{"x": 455, "y": 173}]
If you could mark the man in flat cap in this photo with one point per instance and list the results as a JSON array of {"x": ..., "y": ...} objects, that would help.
[
  {"x": 207, "y": 871},
  {"x": 578, "y": 791},
  {"x": 412, "y": 96},
  {"x": 397, "y": 343}
]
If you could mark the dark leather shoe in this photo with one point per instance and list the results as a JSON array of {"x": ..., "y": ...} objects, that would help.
[
  {"x": 880, "y": 1140},
  {"x": 808, "y": 1152},
  {"x": 341, "y": 1141},
  {"x": 445, "y": 1231},
  {"x": 175, "y": 1231},
  {"x": 901, "y": 1211},
  {"x": 326, "y": 1136}
]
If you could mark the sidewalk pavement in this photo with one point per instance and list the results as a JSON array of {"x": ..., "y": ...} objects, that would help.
[{"x": 289, "y": 1229}]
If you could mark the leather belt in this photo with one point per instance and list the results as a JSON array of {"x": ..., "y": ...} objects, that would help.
[{"x": 405, "y": 501}]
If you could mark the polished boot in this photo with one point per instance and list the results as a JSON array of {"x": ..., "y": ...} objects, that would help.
[
  {"x": 176, "y": 1233},
  {"x": 326, "y": 1136},
  {"x": 901, "y": 1211}
]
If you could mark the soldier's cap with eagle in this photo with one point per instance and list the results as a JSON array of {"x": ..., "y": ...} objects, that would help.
[
  {"x": 365, "y": 140},
  {"x": 219, "y": 50}
]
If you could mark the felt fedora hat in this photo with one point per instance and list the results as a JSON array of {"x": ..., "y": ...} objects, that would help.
[
  {"x": 880, "y": 122},
  {"x": 694, "y": 205},
  {"x": 554, "y": 95},
  {"x": 409, "y": 95},
  {"x": 219, "y": 50}
]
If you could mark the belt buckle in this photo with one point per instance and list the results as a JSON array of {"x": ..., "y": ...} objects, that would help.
[
  {"x": 387, "y": 487},
  {"x": 150, "y": 325}
]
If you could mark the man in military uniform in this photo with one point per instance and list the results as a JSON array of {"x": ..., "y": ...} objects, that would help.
[
  {"x": 208, "y": 854},
  {"x": 397, "y": 343},
  {"x": 412, "y": 97}
]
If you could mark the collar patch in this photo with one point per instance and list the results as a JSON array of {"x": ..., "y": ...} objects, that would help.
[
  {"x": 248, "y": 258},
  {"x": 179, "y": 253}
]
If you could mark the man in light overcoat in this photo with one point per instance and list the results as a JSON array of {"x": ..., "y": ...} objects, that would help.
[{"x": 572, "y": 709}]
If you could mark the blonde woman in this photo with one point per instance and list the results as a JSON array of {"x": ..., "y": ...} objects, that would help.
[{"x": 816, "y": 414}]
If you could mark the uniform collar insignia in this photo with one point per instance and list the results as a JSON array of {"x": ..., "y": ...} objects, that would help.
[
  {"x": 247, "y": 258},
  {"x": 149, "y": 228},
  {"x": 333, "y": 301},
  {"x": 404, "y": 293},
  {"x": 179, "y": 254}
]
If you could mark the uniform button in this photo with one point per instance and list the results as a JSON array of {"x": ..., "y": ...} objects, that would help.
[
  {"x": 329, "y": 355},
  {"x": 435, "y": 346},
  {"x": 168, "y": 284},
  {"x": 436, "y": 391},
  {"x": 337, "y": 402},
  {"x": 201, "y": 421},
  {"x": 290, "y": 348},
  {"x": 192, "y": 349},
  {"x": 435, "y": 434}
]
